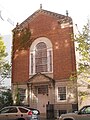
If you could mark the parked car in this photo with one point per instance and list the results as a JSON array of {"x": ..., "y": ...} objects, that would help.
[
  {"x": 82, "y": 114},
  {"x": 16, "y": 113}
]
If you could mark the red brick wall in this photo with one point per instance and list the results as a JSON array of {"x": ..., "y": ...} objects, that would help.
[
  {"x": 63, "y": 56},
  {"x": 20, "y": 67}
]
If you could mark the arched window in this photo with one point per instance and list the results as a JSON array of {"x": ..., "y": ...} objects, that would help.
[{"x": 41, "y": 56}]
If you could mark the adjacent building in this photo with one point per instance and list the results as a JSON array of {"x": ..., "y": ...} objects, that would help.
[{"x": 42, "y": 66}]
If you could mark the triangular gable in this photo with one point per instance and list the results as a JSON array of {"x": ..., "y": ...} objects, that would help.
[
  {"x": 40, "y": 78},
  {"x": 61, "y": 18}
]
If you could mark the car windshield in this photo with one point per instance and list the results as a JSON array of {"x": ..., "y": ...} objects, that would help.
[{"x": 85, "y": 110}]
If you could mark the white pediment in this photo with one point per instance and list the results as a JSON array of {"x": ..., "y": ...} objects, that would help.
[{"x": 39, "y": 78}]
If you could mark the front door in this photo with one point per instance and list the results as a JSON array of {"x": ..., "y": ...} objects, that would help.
[{"x": 42, "y": 98}]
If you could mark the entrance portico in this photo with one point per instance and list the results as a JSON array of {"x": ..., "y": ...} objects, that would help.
[{"x": 41, "y": 92}]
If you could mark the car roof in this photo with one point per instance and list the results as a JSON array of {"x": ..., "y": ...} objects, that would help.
[
  {"x": 15, "y": 106},
  {"x": 86, "y": 106}
]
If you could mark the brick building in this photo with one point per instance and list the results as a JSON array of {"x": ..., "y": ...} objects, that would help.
[{"x": 41, "y": 69}]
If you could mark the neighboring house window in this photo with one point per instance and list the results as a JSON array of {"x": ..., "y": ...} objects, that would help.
[
  {"x": 41, "y": 56},
  {"x": 61, "y": 93}
]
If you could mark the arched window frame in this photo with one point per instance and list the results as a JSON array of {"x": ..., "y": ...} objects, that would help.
[{"x": 32, "y": 55}]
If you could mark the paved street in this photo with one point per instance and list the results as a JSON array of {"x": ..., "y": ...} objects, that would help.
[
  {"x": 42, "y": 118},
  {"x": 47, "y": 119}
]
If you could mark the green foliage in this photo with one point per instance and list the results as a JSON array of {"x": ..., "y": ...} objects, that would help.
[
  {"x": 6, "y": 98},
  {"x": 73, "y": 76},
  {"x": 83, "y": 96},
  {"x": 5, "y": 68},
  {"x": 3, "y": 54},
  {"x": 17, "y": 96},
  {"x": 23, "y": 36},
  {"x": 6, "y": 71},
  {"x": 83, "y": 48},
  {"x": 83, "y": 41}
]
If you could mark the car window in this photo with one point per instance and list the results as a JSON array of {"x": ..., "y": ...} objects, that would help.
[
  {"x": 86, "y": 110},
  {"x": 13, "y": 110},
  {"x": 5, "y": 110},
  {"x": 9, "y": 110},
  {"x": 23, "y": 110}
]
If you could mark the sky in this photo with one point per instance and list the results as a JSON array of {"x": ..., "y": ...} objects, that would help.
[
  {"x": 19, "y": 10},
  {"x": 13, "y": 11}
]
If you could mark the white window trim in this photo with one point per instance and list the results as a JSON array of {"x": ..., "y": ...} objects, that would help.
[
  {"x": 32, "y": 51},
  {"x": 58, "y": 100}
]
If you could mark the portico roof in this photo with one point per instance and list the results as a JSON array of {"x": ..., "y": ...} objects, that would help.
[{"x": 40, "y": 78}]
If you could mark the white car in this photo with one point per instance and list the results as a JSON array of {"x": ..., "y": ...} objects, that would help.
[
  {"x": 16, "y": 113},
  {"x": 82, "y": 114}
]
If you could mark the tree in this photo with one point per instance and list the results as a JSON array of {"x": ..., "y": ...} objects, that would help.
[
  {"x": 83, "y": 48},
  {"x": 6, "y": 98},
  {"x": 83, "y": 42},
  {"x": 5, "y": 68},
  {"x": 17, "y": 96}
]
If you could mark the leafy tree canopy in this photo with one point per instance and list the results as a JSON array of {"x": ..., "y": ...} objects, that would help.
[
  {"x": 6, "y": 98},
  {"x": 5, "y": 68},
  {"x": 83, "y": 41}
]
